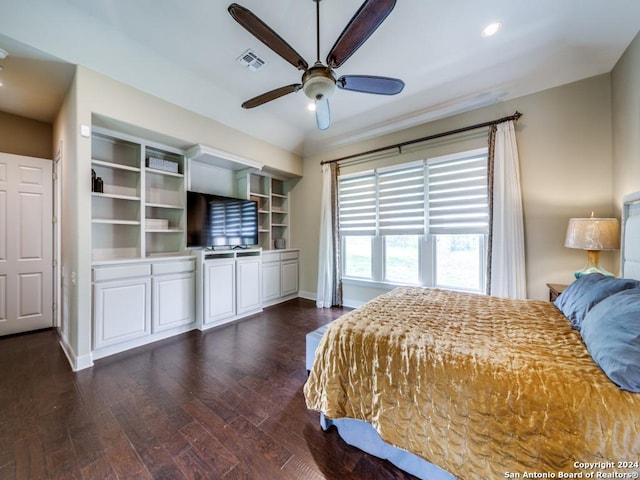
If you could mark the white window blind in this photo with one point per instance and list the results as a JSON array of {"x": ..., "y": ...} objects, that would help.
[
  {"x": 448, "y": 195},
  {"x": 358, "y": 205},
  {"x": 401, "y": 201},
  {"x": 458, "y": 198}
]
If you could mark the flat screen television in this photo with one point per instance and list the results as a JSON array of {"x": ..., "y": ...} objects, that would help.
[{"x": 217, "y": 221}]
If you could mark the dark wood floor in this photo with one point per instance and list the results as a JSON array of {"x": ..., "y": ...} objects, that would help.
[{"x": 221, "y": 404}]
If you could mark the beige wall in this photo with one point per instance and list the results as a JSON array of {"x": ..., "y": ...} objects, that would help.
[
  {"x": 118, "y": 101},
  {"x": 73, "y": 299},
  {"x": 625, "y": 85},
  {"x": 24, "y": 136},
  {"x": 564, "y": 142}
]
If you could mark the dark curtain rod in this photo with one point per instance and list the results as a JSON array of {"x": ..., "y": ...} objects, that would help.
[{"x": 399, "y": 146}]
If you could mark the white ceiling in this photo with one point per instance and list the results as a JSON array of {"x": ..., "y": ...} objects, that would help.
[{"x": 186, "y": 53}]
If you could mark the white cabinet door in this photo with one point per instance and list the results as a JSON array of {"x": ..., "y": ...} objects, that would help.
[
  {"x": 289, "y": 277},
  {"x": 220, "y": 290},
  {"x": 270, "y": 281},
  {"x": 248, "y": 270},
  {"x": 173, "y": 301},
  {"x": 122, "y": 311}
]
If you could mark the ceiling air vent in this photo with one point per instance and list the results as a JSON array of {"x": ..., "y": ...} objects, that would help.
[{"x": 251, "y": 60}]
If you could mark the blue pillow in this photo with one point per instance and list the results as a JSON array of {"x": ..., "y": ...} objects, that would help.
[
  {"x": 611, "y": 332},
  {"x": 587, "y": 291}
]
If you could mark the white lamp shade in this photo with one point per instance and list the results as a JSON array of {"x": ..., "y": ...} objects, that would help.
[
  {"x": 319, "y": 87},
  {"x": 593, "y": 233}
]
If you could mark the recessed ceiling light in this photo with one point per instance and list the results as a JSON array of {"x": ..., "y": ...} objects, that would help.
[
  {"x": 3, "y": 53},
  {"x": 491, "y": 29}
]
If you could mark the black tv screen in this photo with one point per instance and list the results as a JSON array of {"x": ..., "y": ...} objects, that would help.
[{"x": 217, "y": 221}]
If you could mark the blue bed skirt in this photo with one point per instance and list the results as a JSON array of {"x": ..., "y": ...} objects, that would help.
[{"x": 363, "y": 436}]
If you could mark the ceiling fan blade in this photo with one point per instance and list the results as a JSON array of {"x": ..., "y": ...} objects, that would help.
[
  {"x": 370, "y": 84},
  {"x": 323, "y": 113},
  {"x": 272, "y": 95},
  {"x": 366, "y": 20},
  {"x": 266, "y": 35}
]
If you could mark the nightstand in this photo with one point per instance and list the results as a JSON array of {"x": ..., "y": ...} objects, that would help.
[{"x": 555, "y": 289}]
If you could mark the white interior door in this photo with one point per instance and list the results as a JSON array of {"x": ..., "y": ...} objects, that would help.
[{"x": 26, "y": 237}]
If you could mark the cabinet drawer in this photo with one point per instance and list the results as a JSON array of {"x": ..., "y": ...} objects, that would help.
[
  {"x": 121, "y": 271},
  {"x": 289, "y": 255},
  {"x": 172, "y": 267},
  {"x": 270, "y": 257}
]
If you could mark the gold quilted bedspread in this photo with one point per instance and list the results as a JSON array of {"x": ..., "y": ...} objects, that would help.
[{"x": 483, "y": 387}]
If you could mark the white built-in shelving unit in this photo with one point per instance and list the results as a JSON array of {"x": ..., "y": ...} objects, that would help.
[
  {"x": 143, "y": 276},
  {"x": 146, "y": 284},
  {"x": 141, "y": 211},
  {"x": 271, "y": 194}
]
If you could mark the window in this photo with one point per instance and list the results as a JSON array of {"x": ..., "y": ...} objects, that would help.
[
  {"x": 358, "y": 252},
  {"x": 423, "y": 223},
  {"x": 459, "y": 261},
  {"x": 402, "y": 259}
]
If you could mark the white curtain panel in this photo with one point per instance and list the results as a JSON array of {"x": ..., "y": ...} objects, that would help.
[
  {"x": 508, "y": 276},
  {"x": 325, "y": 252}
]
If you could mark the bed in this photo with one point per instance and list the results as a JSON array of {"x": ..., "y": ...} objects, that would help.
[{"x": 457, "y": 385}]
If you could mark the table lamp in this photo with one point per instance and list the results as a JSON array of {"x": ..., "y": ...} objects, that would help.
[{"x": 593, "y": 235}]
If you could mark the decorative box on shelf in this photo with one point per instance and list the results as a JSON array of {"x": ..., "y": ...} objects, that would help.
[
  {"x": 162, "y": 164},
  {"x": 157, "y": 224}
]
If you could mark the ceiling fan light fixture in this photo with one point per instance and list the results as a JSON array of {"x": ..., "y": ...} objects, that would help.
[
  {"x": 318, "y": 83},
  {"x": 319, "y": 88}
]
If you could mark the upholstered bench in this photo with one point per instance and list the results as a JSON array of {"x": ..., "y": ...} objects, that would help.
[{"x": 313, "y": 339}]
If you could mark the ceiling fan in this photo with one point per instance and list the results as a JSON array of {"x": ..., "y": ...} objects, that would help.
[{"x": 319, "y": 81}]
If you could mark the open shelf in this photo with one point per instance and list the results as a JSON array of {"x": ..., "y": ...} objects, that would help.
[
  {"x": 115, "y": 196},
  {"x": 117, "y": 166},
  {"x": 155, "y": 171},
  {"x": 161, "y": 205},
  {"x": 115, "y": 222},
  {"x": 133, "y": 192},
  {"x": 272, "y": 196}
]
